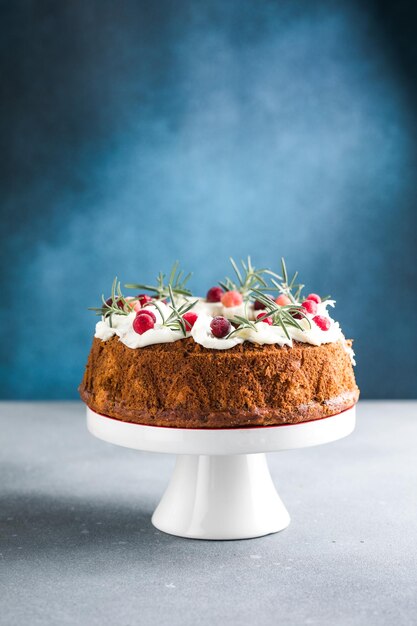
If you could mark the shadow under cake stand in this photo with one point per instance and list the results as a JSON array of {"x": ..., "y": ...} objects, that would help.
[{"x": 221, "y": 487}]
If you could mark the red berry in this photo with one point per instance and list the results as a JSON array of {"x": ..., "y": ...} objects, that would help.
[
  {"x": 142, "y": 323},
  {"x": 190, "y": 319},
  {"x": 309, "y": 306},
  {"x": 214, "y": 294},
  {"x": 283, "y": 300},
  {"x": 232, "y": 298},
  {"x": 314, "y": 297},
  {"x": 267, "y": 320},
  {"x": 220, "y": 326},
  {"x": 143, "y": 298},
  {"x": 322, "y": 322},
  {"x": 259, "y": 306},
  {"x": 120, "y": 304},
  {"x": 147, "y": 312}
]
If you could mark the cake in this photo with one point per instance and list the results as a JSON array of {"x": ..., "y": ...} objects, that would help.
[{"x": 243, "y": 356}]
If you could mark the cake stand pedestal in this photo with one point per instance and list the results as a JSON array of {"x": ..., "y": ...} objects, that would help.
[{"x": 221, "y": 487}]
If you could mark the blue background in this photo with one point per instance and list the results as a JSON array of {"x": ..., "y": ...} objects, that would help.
[{"x": 140, "y": 133}]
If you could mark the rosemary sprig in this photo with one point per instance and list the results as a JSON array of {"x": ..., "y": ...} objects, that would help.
[
  {"x": 240, "y": 323},
  {"x": 176, "y": 281},
  {"x": 246, "y": 279},
  {"x": 282, "y": 284},
  {"x": 281, "y": 315},
  {"x": 175, "y": 320},
  {"x": 115, "y": 305}
]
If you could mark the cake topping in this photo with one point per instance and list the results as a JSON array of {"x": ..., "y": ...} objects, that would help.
[
  {"x": 258, "y": 306},
  {"x": 142, "y": 323},
  {"x": 143, "y": 299},
  {"x": 322, "y": 322},
  {"x": 147, "y": 312},
  {"x": 262, "y": 317},
  {"x": 239, "y": 309},
  {"x": 314, "y": 297},
  {"x": 214, "y": 294},
  {"x": 231, "y": 299},
  {"x": 220, "y": 326},
  {"x": 282, "y": 300},
  {"x": 310, "y": 306},
  {"x": 190, "y": 319}
]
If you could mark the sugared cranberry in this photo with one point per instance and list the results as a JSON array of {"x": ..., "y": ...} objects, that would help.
[
  {"x": 142, "y": 323},
  {"x": 190, "y": 319},
  {"x": 214, "y": 294},
  {"x": 309, "y": 306},
  {"x": 259, "y": 306},
  {"x": 314, "y": 297},
  {"x": 220, "y": 326},
  {"x": 267, "y": 320},
  {"x": 322, "y": 322},
  {"x": 143, "y": 298},
  {"x": 232, "y": 298},
  {"x": 147, "y": 312},
  {"x": 283, "y": 300}
]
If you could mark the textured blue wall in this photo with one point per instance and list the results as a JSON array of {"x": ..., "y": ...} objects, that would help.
[{"x": 139, "y": 133}]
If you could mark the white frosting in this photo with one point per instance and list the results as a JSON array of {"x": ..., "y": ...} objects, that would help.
[
  {"x": 201, "y": 333},
  {"x": 122, "y": 326},
  {"x": 264, "y": 333}
]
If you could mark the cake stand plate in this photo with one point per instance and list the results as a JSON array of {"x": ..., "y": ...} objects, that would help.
[{"x": 221, "y": 487}]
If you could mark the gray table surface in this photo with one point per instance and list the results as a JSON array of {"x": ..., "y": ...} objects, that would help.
[{"x": 78, "y": 547}]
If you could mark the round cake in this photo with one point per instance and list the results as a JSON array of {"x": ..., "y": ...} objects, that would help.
[{"x": 240, "y": 357}]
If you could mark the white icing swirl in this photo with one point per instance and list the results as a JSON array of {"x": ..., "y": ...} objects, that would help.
[
  {"x": 201, "y": 333},
  {"x": 263, "y": 333}
]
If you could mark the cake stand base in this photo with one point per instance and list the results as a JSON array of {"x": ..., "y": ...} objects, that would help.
[
  {"x": 221, "y": 497},
  {"x": 221, "y": 487}
]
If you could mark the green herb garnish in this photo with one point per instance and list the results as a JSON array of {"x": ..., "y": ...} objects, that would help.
[
  {"x": 174, "y": 321},
  {"x": 116, "y": 304},
  {"x": 176, "y": 283},
  {"x": 246, "y": 279}
]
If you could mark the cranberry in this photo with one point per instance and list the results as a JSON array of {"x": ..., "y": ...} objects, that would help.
[
  {"x": 309, "y": 306},
  {"x": 143, "y": 298},
  {"x": 232, "y": 298},
  {"x": 214, "y": 294},
  {"x": 322, "y": 322},
  {"x": 190, "y": 319},
  {"x": 147, "y": 312},
  {"x": 283, "y": 300},
  {"x": 120, "y": 304},
  {"x": 259, "y": 306},
  {"x": 314, "y": 297},
  {"x": 267, "y": 320},
  {"x": 220, "y": 326},
  {"x": 142, "y": 323}
]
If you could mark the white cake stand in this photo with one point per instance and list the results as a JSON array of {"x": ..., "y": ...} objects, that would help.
[{"x": 221, "y": 487}]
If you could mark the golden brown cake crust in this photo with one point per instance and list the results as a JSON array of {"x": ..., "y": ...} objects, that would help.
[{"x": 184, "y": 385}]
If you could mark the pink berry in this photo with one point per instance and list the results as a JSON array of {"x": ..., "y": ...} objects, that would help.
[
  {"x": 267, "y": 320},
  {"x": 309, "y": 306},
  {"x": 214, "y": 294},
  {"x": 143, "y": 298},
  {"x": 220, "y": 326},
  {"x": 190, "y": 319},
  {"x": 137, "y": 307},
  {"x": 322, "y": 322},
  {"x": 147, "y": 312},
  {"x": 232, "y": 298},
  {"x": 142, "y": 323},
  {"x": 283, "y": 300},
  {"x": 314, "y": 297},
  {"x": 259, "y": 306}
]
